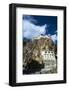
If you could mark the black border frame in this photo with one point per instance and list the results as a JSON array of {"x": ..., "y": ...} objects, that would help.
[{"x": 12, "y": 43}]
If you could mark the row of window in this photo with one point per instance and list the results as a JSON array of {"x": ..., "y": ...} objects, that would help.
[
  {"x": 49, "y": 51},
  {"x": 49, "y": 55}
]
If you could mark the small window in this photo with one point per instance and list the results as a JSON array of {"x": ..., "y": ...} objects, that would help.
[
  {"x": 49, "y": 52},
  {"x": 52, "y": 54}
]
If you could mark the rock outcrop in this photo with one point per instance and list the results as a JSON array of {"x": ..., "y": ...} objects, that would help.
[{"x": 32, "y": 52}]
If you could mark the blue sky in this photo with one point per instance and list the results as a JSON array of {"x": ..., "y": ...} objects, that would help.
[{"x": 34, "y": 25}]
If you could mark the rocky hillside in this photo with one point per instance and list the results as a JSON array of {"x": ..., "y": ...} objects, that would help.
[{"x": 31, "y": 52}]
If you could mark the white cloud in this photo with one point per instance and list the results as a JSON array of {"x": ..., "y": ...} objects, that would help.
[
  {"x": 29, "y": 18},
  {"x": 31, "y": 30},
  {"x": 54, "y": 37}
]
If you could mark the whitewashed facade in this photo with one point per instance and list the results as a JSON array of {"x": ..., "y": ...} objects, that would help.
[{"x": 48, "y": 55}]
